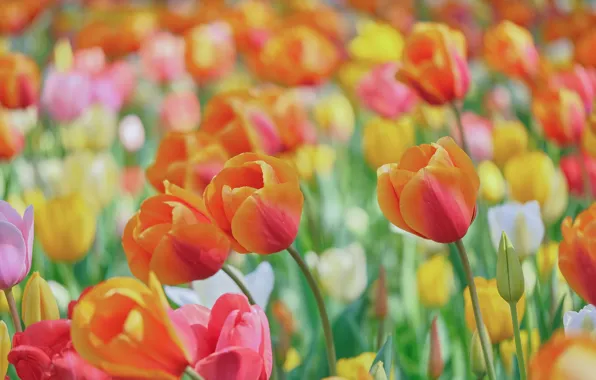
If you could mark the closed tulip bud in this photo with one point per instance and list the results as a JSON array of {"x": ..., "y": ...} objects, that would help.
[
  {"x": 492, "y": 183},
  {"x": 556, "y": 204},
  {"x": 4, "y": 349},
  {"x": 378, "y": 372},
  {"x": 510, "y": 278},
  {"x": 561, "y": 114},
  {"x": 19, "y": 81},
  {"x": 16, "y": 244},
  {"x": 38, "y": 302},
  {"x": 435, "y": 361},
  {"x": 510, "y": 138},
  {"x": 479, "y": 365}
]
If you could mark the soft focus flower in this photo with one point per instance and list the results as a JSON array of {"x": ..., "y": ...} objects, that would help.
[
  {"x": 19, "y": 81},
  {"x": 90, "y": 61},
  {"x": 162, "y": 57},
  {"x": 342, "y": 272},
  {"x": 4, "y": 349},
  {"x": 334, "y": 115},
  {"x": 234, "y": 339},
  {"x": 546, "y": 259},
  {"x": 293, "y": 359},
  {"x": 313, "y": 159},
  {"x": 38, "y": 302},
  {"x": 583, "y": 52},
  {"x": 356, "y": 368},
  {"x": 132, "y": 180},
  {"x": 173, "y": 236},
  {"x": 94, "y": 129},
  {"x": 380, "y": 92},
  {"x": 556, "y": 203},
  {"x": 16, "y": 244},
  {"x": 510, "y": 139},
  {"x": 497, "y": 101},
  {"x": 106, "y": 92},
  {"x": 507, "y": 348},
  {"x": 561, "y": 114},
  {"x": 576, "y": 253},
  {"x": 510, "y": 49},
  {"x": 431, "y": 192},
  {"x": 66, "y": 227},
  {"x": 206, "y": 292},
  {"x": 125, "y": 328},
  {"x": 12, "y": 141},
  {"x": 434, "y": 63},
  {"x": 16, "y": 292},
  {"x": 564, "y": 358},
  {"x": 256, "y": 200},
  {"x": 385, "y": 141},
  {"x": 435, "y": 281},
  {"x": 573, "y": 171},
  {"x": 492, "y": 183},
  {"x": 210, "y": 52},
  {"x": 180, "y": 112},
  {"x": 357, "y": 220},
  {"x": 589, "y": 137},
  {"x": 66, "y": 95},
  {"x": 530, "y": 177},
  {"x": 376, "y": 43},
  {"x": 131, "y": 133},
  {"x": 494, "y": 309},
  {"x": 478, "y": 133},
  {"x": 123, "y": 77},
  {"x": 580, "y": 80},
  {"x": 580, "y": 322},
  {"x": 521, "y": 222}
]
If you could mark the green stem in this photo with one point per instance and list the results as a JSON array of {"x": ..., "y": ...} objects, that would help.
[
  {"x": 460, "y": 127},
  {"x": 331, "y": 358},
  {"x": 380, "y": 333},
  {"x": 518, "y": 345},
  {"x": 193, "y": 374},
  {"x": 14, "y": 312},
  {"x": 7, "y": 182},
  {"x": 239, "y": 283},
  {"x": 484, "y": 342}
]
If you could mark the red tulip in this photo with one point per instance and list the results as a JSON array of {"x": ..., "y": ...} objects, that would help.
[{"x": 572, "y": 169}]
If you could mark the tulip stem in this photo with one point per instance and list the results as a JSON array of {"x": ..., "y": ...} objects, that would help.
[
  {"x": 484, "y": 342},
  {"x": 518, "y": 345},
  {"x": 239, "y": 283},
  {"x": 586, "y": 179},
  {"x": 193, "y": 374},
  {"x": 14, "y": 312},
  {"x": 331, "y": 358},
  {"x": 460, "y": 127}
]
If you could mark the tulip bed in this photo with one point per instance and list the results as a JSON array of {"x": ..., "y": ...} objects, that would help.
[{"x": 297, "y": 190}]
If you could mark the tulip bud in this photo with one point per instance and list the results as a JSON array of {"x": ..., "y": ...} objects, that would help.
[
  {"x": 4, "y": 349},
  {"x": 477, "y": 357},
  {"x": 63, "y": 56},
  {"x": 381, "y": 295},
  {"x": 378, "y": 372},
  {"x": 38, "y": 302},
  {"x": 510, "y": 278},
  {"x": 435, "y": 361}
]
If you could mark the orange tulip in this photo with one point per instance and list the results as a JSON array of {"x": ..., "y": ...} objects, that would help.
[
  {"x": 252, "y": 22},
  {"x": 321, "y": 18},
  {"x": 11, "y": 140},
  {"x": 173, "y": 236},
  {"x": 186, "y": 159},
  {"x": 16, "y": 15},
  {"x": 584, "y": 49},
  {"x": 510, "y": 49},
  {"x": 124, "y": 328},
  {"x": 19, "y": 81},
  {"x": 561, "y": 114},
  {"x": 434, "y": 63},
  {"x": 577, "y": 253},
  {"x": 210, "y": 51},
  {"x": 256, "y": 200},
  {"x": 431, "y": 192},
  {"x": 565, "y": 358}
]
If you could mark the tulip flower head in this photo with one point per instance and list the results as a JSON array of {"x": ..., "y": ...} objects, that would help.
[
  {"x": 530, "y": 176},
  {"x": 578, "y": 79},
  {"x": 561, "y": 114},
  {"x": 435, "y": 281},
  {"x": 38, "y": 302},
  {"x": 19, "y": 81},
  {"x": 335, "y": 115},
  {"x": 492, "y": 183},
  {"x": 580, "y": 322},
  {"x": 521, "y": 222},
  {"x": 162, "y": 57},
  {"x": 180, "y": 111},
  {"x": 510, "y": 139},
  {"x": 377, "y": 43},
  {"x": 12, "y": 141},
  {"x": 385, "y": 141},
  {"x": 342, "y": 272},
  {"x": 16, "y": 247},
  {"x": 573, "y": 171},
  {"x": 564, "y": 357}
]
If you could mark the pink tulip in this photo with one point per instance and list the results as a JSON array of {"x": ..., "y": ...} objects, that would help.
[
  {"x": 90, "y": 61},
  {"x": 162, "y": 57},
  {"x": 580, "y": 80},
  {"x": 105, "y": 91},
  {"x": 498, "y": 101},
  {"x": 380, "y": 92},
  {"x": 124, "y": 77},
  {"x": 180, "y": 111},
  {"x": 478, "y": 131},
  {"x": 16, "y": 244},
  {"x": 131, "y": 133},
  {"x": 234, "y": 341},
  {"x": 66, "y": 95}
]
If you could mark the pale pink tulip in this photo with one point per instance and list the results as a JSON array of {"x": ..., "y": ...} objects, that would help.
[
  {"x": 16, "y": 245},
  {"x": 162, "y": 57},
  {"x": 90, "y": 61},
  {"x": 66, "y": 95},
  {"x": 478, "y": 131},
  {"x": 180, "y": 111}
]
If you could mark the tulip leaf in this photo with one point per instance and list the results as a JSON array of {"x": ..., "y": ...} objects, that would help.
[
  {"x": 540, "y": 314},
  {"x": 385, "y": 355},
  {"x": 557, "y": 321},
  {"x": 347, "y": 330}
]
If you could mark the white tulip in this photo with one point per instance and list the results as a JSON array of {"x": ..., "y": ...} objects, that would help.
[
  {"x": 342, "y": 272},
  {"x": 521, "y": 222},
  {"x": 581, "y": 321}
]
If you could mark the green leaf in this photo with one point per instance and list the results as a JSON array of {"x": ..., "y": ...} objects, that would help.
[
  {"x": 557, "y": 321},
  {"x": 347, "y": 330},
  {"x": 385, "y": 355}
]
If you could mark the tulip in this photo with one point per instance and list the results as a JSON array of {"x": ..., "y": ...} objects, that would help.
[
  {"x": 66, "y": 95},
  {"x": 16, "y": 245},
  {"x": 478, "y": 133},
  {"x": 589, "y": 138},
  {"x": 510, "y": 49},
  {"x": 131, "y": 133},
  {"x": 95, "y": 130},
  {"x": 162, "y": 57},
  {"x": 434, "y": 63},
  {"x": 510, "y": 275},
  {"x": 66, "y": 227},
  {"x": 563, "y": 358},
  {"x": 206, "y": 292},
  {"x": 478, "y": 361},
  {"x": 180, "y": 112},
  {"x": 376, "y": 43},
  {"x": 309, "y": 160},
  {"x": 556, "y": 204},
  {"x": 173, "y": 236},
  {"x": 256, "y": 200},
  {"x": 530, "y": 177},
  {"x": 497, "y": 101},
  {"x": 498, "y": 316},
  {"x": 106, "y": 92},
  {"x": 380, "y": 92},
  {"x": 507, "y": 348},
  {"x": 357, "y": 367},
  {"x": 38, "y": 302},
  {"x": 4, "y": 349},
  {"x": 210, "y": 52},
  {"x": 342, "y": 272},
  {"x": 123, "y": 76},
  {"x": 19, "y": 81},
  {"x": 573, "y": 171},
  {"x": 385, "y": 141},
  {"x": 581, "y": 322},
  {"x": 235, "y": 336},
  {"x": 492, "y": 183},
  {"x": 521, "y": 222},
  {"x": 561, "y": 114},
  {"x": 546, "y": 259},
  {"x": 334, "y": 115},
  {"x": 435, "y": 281},
  {"x": 578, "y": 79},
  {"x": 510, "y": 139},
  {"x": 12, "y": 141},
  {"x": 431, "y": 192},
  {"x": 90, "y": 61}
]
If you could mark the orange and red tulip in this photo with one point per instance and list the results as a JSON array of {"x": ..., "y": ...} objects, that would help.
[
  {"x": 210, "y": 51},
  {"x": 19, "y": 81},
  {"x": 577, "y": 253},
  {"x": 580, "y": 80},
  {"x": 584, "y": 49},
  {"x": 173, "y": 236},
  {"x": 256, "y": 200},
  {"x": 11, "y": 140},
  {"x": 431, "y": 192},
  {"x": 561, "y": 114},
  {"x": 564, "y": 358},
  {"x": 434, "y": 63}
]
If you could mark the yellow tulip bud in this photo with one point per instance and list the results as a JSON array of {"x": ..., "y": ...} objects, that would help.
[
  {"x": 4, "y": 349},
  {"x": 435, "y": 281},
  {"x": 65, "y": 227},
  {"x": 556, "y": 204},
  {"x": 376, "y": 42},
  {"x": 479, "y": 366},
  {"x": 508, "y": 352},
  {"x": 38, "y": 303},
  {"x": 546, "y": 259},
  {"x": 492, "y": 183},
  {"x": 335, "y": 115},
  {"x": 530, "y": 177},
  {"x": 384, "y": 141},
  {"x": 16, "y": 292},
  {"x": 510, "y": 139},
  {"x": 510, "y": 278}
]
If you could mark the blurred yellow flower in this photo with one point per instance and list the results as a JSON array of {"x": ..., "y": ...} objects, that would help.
[
  {"x": 20, "y": 202},
  {"x": 38, "y": 302},
  {"x": 293, "y": 359},
  {"x": 495, "y": 311},
  {"x": 589, "y": 141},
  {"x": 335, "y": 116},
  {"x": 435, "y": 281},
  {"x": 349, "y": 75},
  {"x": 356, "y": 368},
  {"x": 507, "y": 348},
  {"x": 492, "y": 183},
  {"x": 311, "y": 159},
  {"x": 4, "y": 349},
  {"x": 384, "y": 141},
  {"x": 95, "y": 130},
  {"x": 65, "y": 227},
  {"x": 431, "y": 117},
  {"x": 376, "y": 42},
  {"x": 235, "y": 81},
  {"x": 16, "y": 292},
  {"x": 556, "y": 204},
  {"x": 531, "y": 177},
  {"x": 510, "y": 139},
  {"x": 546, "y": 259}
]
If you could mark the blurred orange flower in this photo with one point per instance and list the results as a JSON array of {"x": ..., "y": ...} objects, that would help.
[
  {"x": 252, "y": 22},
  {"x": 16, "y": 15},
  {"x": 431, "y": 192},
  {"x": 19, "y": 81},
  {"x": 565, "y": 357},
  {"x": 11, "y": 140},
  {"x": 434, "y": 63},
  {"x": 322, "y": 18},
  {"x": 561, "y": 114},
  {"x": 210, "y": 51},
  {"x": 584, "y": 49},
  {"x": 173, "y": 236},
  {"x": 256, "y": 200}
]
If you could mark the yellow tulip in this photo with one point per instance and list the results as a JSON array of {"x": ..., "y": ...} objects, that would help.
[
  {"x": 94, "y": 130},
  {"x": 376, "y": 42},
  {"x": 546, "y": 259},
  {"x": 531, "y": 177},
  {"x": 16, "y": 292},
  {"x": 335, "y": 115},
  {"x": 33, "y": 197},
  {"x": 65, "y": 227},
  {"x": 589, "y": 139},
  {"x": 507, "y": 348},
  {"x": 492, "y": 183},
  {"x": 38, "y": 302},
  {"x": 311, "y": 159},
  {"x": 349, "y": 75},
  {"x": 556, "y": 204},
  {"x": 4, "y": 349},
  {"x": 356, "y": 368},
  {"x": 431, "y": 117},
  {"x": 510, "y": 139},
  {"x": 495, "y": 311},
  {"x": 435, "y": 281},
  {"x": 384, "y": 141},
  {"x": 293, "y": 359}
]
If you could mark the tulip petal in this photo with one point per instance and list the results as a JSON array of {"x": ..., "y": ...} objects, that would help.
[
  {"x": 236, "y": 363},
  {"x": 28, "y": 234},
  {"x": 416, "y": 157},
  {"x": 225, "y": 305},
  {"x": 9, "y": 214},
  {"x": 13, "y": 255},
  {"x": 260, "y": 283},
  {"x": 460, "y": 159},
  {"x": 390, "y": 184},
  {"x": 182, "y": 296},
  {"x": 194, "y": 314}
]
